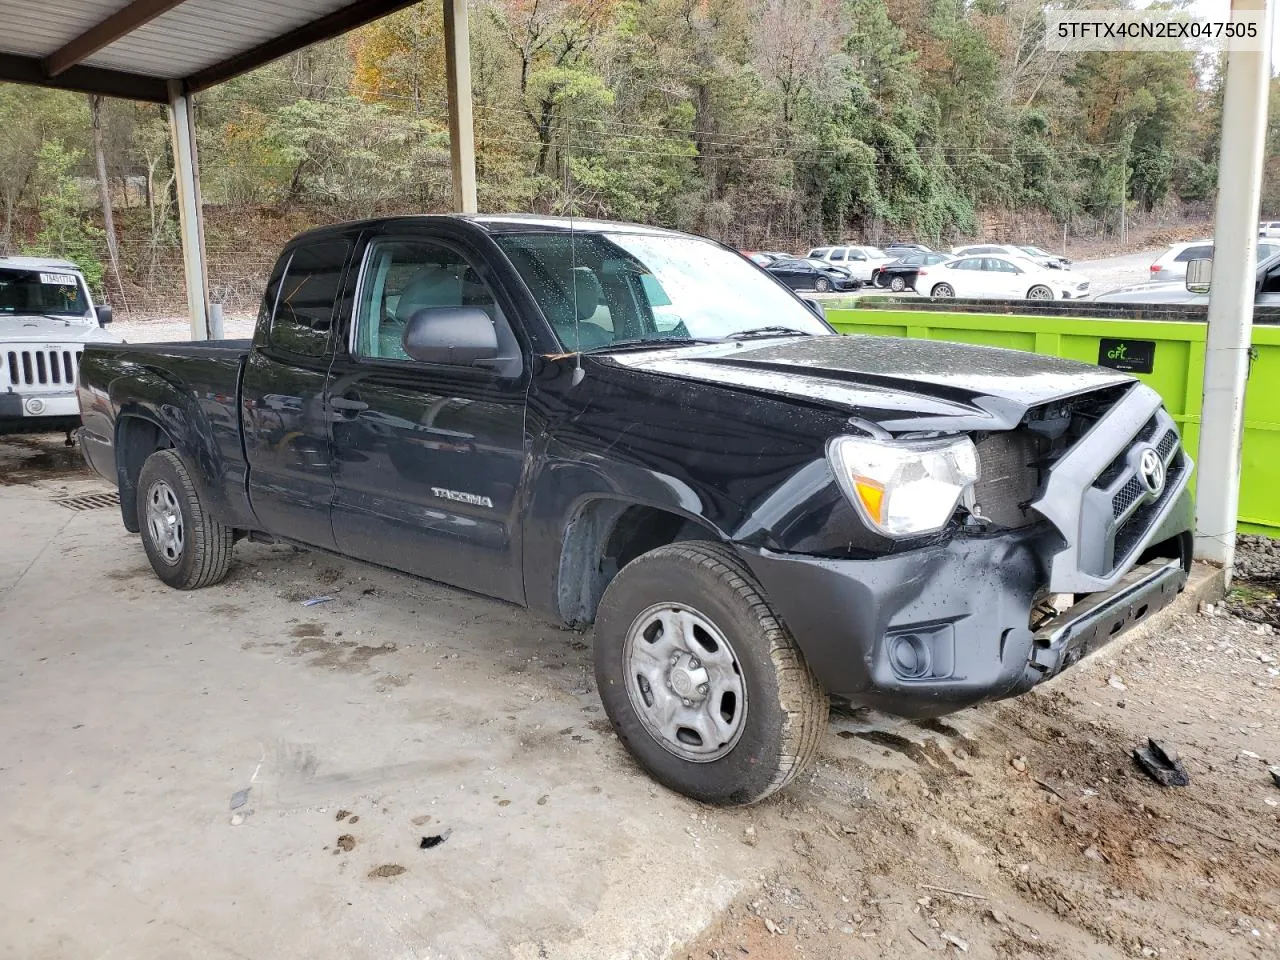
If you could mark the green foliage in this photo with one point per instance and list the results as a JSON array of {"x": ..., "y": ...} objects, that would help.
[
  {"x": 763, "y": 122},
  {"x": 65, "y": 231}
]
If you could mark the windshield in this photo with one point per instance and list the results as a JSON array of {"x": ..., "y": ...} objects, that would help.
[
  {"x": 638, "y": 287},
  {"x": 1036, "y": 251},
  {"x": 48, "y": 292}
]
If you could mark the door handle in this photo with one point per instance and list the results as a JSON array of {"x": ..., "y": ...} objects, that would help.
[{"x": 348, "y": 404}]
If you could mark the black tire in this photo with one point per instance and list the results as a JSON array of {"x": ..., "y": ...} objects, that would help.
[
  {"x": 822, "y": 285},
  {"x": 942, "y": 290},
  {"x": 784, "y": 706},
  {"x": 897, "y": 284},
  {"x": 200, "y": 553},
  {"x": 1039, "y": 292}
]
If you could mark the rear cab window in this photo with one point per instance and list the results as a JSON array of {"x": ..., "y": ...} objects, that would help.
[{"x": 306, "y": 298}]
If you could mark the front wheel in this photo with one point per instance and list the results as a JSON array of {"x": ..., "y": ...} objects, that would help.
[
  {"x": 822, "y": 285},
  {"x": 1039, "y": 292},
  {"x": 187, "y": 548},
  {"x": 702, "y": 682},
  {"x": 942, "y": 290},
  {"x": 897, "y": 284}
]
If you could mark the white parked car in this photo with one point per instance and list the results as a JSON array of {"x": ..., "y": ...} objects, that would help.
[
  {"x": 46, "y": 318},
  {"x": 1172, "y": 264},
  {"x": 1001, "y": 278},
  {"x": 858, "y": 262},
  {"x": 1042, "y": 257},
  {"x": 1270, "y": 229}
]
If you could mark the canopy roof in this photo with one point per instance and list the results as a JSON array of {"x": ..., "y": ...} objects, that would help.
[{"x": 133, "y": 49}]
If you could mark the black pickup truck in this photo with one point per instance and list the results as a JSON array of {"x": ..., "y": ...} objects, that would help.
[{"x": 642, "y": 430}]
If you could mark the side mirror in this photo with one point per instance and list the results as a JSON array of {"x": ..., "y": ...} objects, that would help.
[
  {"x": 454, "y": 335},
  {"x": 815, "y": 306},
  {"x": 1199, "y": 273},
  {"x": 104, "y": 314}
]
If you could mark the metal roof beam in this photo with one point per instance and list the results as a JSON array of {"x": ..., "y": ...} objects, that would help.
[
  {"x": 339, "y": 22},
  {"x": 120, "y": 23},
  {"x": 109, "y": 83}
]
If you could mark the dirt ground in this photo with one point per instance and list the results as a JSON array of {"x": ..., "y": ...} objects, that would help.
[
  {"x": 1024, "y": 830},
  {"x": 133, "y": 717}
]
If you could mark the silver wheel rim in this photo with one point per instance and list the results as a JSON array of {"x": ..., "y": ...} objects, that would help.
[
  {"x": 685, "y": 682},
  {"x": 821, "y": 286},
  {"x": 1040, "y": 293},
  {"x": 942, "y": 290},
  {"x": 897, "y": 284},
  {"x": 164, "y": 522}
]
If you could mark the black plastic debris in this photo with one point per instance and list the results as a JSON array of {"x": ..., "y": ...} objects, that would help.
[
  {"x": 428, "y": 842},
  {"x": 1161, "y": 764}
]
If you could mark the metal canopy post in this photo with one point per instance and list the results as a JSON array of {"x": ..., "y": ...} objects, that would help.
[
  {"x": 462, "y": 142},
  {"x": 191, "y": 220},
  {"x": 1231, "y": 296}
]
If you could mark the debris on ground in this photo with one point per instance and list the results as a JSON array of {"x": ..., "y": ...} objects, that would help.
[
  {"x": 1019, "y": 764},
  {"x": 1161, "y": 764},
  {"x": 237, "y": 819},
  {"x": 1275, "y": 775},
  {"x": 386, "y": 870},
  {"x": 434, "y": 841},
  {"x": 239, "y": 798},
  {"x": 1078, "y": 856},
  {"x": 314, "y": 601},
  {"x": 346, "y": 843}
]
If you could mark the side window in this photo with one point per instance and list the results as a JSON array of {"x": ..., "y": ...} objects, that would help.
[
  {"x": 404, "y": 276},
  {"x": 972, "y": 263},
  {"x": 1202, "y": 252},
  {"x": 306, "y": 299},
  {"x": 1271, "y": 282},
  {"x": 838, "y": 254},
  {"x": 272, "y": 291}
]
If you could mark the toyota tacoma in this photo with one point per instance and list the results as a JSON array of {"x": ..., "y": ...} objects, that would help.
[{"x": 642, "y": 430}]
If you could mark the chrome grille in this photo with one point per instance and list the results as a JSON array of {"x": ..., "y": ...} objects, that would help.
[{"x": 44, "y": 367}]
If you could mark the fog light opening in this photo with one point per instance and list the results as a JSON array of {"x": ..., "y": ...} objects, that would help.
[{"x": 909, "y": 656}]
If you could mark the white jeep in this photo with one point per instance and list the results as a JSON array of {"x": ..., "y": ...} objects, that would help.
[{"x": 46, "y": 318}]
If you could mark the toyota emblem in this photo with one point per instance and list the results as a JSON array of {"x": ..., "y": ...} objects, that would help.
[{"x": 1151, "y": 469}]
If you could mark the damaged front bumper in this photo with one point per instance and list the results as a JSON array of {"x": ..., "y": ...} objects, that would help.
[{"x": 930, "y": 631}]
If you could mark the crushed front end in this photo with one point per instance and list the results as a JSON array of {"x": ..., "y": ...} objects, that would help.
[{"x": 1077, "y": 528}]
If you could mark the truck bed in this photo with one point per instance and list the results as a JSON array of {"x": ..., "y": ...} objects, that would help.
[{"x": 187, "y": 391}]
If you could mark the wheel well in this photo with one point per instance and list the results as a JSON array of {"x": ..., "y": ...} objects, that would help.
[
  {"x": 136, "y": 439},
  {"x": 602, "y": 538}
]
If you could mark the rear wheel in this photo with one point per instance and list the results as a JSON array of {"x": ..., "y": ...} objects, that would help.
[
  {"x": 822, "y": 285},
  {"x": 1039, "y": 292},
  {"x": 703, "y": 684},
  {"x": 942, "y": 290},
  {"x": 897, "y": 284},
  {"x": 187, "y": 548}
]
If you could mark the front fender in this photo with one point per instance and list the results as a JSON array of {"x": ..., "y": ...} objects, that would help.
[{"x": 564, "y": 484}]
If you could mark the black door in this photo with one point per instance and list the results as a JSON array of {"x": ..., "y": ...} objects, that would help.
[
  {"x": 427, "y": 458},
  {"x": 794, "y": 273},
  {"x": 286, "y": 433}
]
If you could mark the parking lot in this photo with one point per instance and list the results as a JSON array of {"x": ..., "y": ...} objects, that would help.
[{"x": 232, "y": 773}]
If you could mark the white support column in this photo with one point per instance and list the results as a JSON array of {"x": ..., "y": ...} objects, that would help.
[
  {"x": 1230, "y": 333},
  {"x": 190, "y": 217},
  {"x": 462, "y": 141}
]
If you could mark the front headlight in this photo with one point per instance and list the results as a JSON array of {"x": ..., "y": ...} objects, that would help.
[{"x": 904, "y": 487}]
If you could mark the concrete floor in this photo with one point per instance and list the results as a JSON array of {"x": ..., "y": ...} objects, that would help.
[{"x": 131, "y": 715}]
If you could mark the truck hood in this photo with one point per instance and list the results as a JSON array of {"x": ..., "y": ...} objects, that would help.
[
  {"x": 1166, "y": 291},
  {"x": 36, "y": 329},
  {"x": 902, "y": 385}
]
